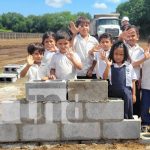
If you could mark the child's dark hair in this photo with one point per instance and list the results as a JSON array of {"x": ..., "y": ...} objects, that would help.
[
  {"x": 47, "y": 35},
  {"x": 62, "y": 34},
  {"x": 35, "y": 46},
  {"x": 106, "y": 36},
  {"x": 133, "y": 27},
  {"x": 82, "y": 20},
  {"x": 119, "y": 44}
]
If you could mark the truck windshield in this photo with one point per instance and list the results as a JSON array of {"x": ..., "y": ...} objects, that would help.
[{"x": 107, "y": 22}]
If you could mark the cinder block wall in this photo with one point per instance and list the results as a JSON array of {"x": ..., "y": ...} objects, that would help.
[{"x": 70, "y": 117}]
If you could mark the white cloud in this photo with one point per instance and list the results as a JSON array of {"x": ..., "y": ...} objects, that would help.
[
  {"x": 100, "y": 5},
  {"x": 57, "y": 3},
  {"x": 115, "y": 1}
]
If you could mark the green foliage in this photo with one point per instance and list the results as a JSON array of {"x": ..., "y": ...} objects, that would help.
[{"x": 48, "y": 22}]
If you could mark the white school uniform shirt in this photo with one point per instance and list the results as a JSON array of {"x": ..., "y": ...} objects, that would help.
[
  {"x": 47, "y": 56},
  {"x": 37, "y": 72},
  {"x": 101, "y": 64},
  {"x": 82, "y": 47},
  {"x": 145, "y": 75},
  {"x": 64, "y": 69},
  {"x": 136, "y": 53},
  {"x": 130, "y": 73}
]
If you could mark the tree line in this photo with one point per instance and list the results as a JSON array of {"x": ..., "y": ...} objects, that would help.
[
  {"x": 38, "y": 24},
  {"x": 137, "y": 10}
]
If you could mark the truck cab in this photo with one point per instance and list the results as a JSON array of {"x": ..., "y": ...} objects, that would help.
[{"x": 105, "y": 23}]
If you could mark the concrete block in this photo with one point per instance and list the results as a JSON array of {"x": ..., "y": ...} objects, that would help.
[
  {"x": 81, "y": 131},
  {"x": 44, "y": 132},
  {"x": 12, "y": 68},
  {"x": 8, "y": 77},
  {"x": 10, "y": 112},
  {"x": 8, "y": 133},
  {"x": 126, "y": 129},
  {"x": 52, "y": 90},
  {"x": 32, "y": 112},
  {"x": 63, "y": 112},
  {"x": 105, "y": 110},
  {"x": 87, "y": 90}
]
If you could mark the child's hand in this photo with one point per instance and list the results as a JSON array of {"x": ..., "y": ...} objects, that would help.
[
  {"x": 124, "y": 35},
  {"x": 52, "y": 77},
  {"x": 134, "y": 99},
  {"x": 108, "y": 62},
  {"x": 96, "y": 48},
  {"x": 45, "y": 78},
  {"x": 103, "y": 55},
  {"x": 89, "y": 72},
  {"x": 73, "y": 28},
  {"x": 147, "y": 54},
  {"x": 70, "y": 55},
  {"x": 30, "y": 60}
]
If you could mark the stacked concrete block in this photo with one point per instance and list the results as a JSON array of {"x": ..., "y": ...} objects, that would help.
[
  {"x": 125, "y": 129},
  {"x": 87, "y": 90},
  {"x": 105, "y": 110},
  {"x": 81, "y": 131},
  {"x": 10, "y": 112},
  {"x": 13, "y": 69},
  {"x": 52, "y": 90},
  {"x": 4, "y": 77},
  {"x": 47, "y": 115},
  {"x": 40, "y": 132},
  {"x": 8, "y": 133}
]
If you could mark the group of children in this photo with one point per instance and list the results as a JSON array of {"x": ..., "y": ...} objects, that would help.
[{"x": 81, "y": 56}]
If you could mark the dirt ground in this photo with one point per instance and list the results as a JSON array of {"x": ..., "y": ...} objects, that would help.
[{"x": 14, "y": 52}]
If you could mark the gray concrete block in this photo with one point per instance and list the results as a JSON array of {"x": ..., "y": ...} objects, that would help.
[
  {"x": 44, "y": 132},
  {"x": 81, "y": 131},
  {"x": 126, "y": 129},
  {"x": 10, "y": 112},
  {"x": 63, "y": 112},
  {"x": 52, "y": 90},
  {"x": 105, "y": 110},
  {"x": 12, "y": 69},
  {"x": 32, "y": 112},
  {"x": 8, "y": 133},
  {"x": 4, "y": 77},
  {"x": 87, "y": 90}
]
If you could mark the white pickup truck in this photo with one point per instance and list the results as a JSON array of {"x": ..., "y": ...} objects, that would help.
[{"x": 108, "y": 23}]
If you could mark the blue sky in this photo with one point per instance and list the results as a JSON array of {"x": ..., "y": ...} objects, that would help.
[{"x": 40, "y": 7}]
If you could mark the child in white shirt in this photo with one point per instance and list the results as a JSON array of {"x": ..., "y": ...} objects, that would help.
[
  {"x": 49, "y": 43},
  {"x": 65, "y": 62},
  {"x": 34, "y": 69}
]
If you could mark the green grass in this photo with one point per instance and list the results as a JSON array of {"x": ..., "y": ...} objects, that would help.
[{"x": 4, "y": 30}]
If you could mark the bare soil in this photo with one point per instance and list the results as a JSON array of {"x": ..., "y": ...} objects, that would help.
[{"x": 14, "y": 52}]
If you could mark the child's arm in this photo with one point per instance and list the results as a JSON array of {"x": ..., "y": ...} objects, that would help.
[
  {"x": 71, "y": 56},
  {"x": 141, "y": 61},
  {"x": 90, "y": 71},
  {"x": 133, "y": 91},
  {"x": 107, "y": 69},
  {"x": 74, "y": 30},
  {"x": 52, "y": 74},
  {"x": 30, "y": 62}
]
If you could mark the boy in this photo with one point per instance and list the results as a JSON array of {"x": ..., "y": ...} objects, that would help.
[
  {"x": 34, "y": 69},
  {"x": 82, "y": 44},
  {"x": 102, "y": 50},
  {"x": 65, "y": 62}
]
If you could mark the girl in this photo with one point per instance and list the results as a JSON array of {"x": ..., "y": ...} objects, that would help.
[
  {"x": 49, "y": 41},
  {"x": 122, "y": 77}
]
